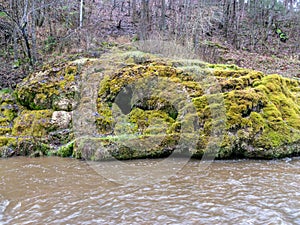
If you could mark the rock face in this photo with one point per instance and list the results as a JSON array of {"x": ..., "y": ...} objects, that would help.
[
  {"x": 36, "y": 117},
  {"x": 152, "y": 107},
  {"x": 61, "y": 119},
  {"x": 55, "y": 87}
]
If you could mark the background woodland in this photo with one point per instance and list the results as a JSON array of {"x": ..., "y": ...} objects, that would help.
[{"x": 258, "y": 34}]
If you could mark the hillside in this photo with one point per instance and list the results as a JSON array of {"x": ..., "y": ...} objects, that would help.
[{"x": 261, "y": 35}]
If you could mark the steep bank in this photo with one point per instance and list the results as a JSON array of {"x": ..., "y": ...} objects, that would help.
[{"x": 148, "y": 106}]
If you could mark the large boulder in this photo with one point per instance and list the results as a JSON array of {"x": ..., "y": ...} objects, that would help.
[
  {"x": 256, "y": 115},
  {"x": 130, "y": 105}
]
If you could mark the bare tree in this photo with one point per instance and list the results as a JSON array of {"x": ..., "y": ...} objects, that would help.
[
  {"x": 163, "y": 15},
  {"x": 145, "y": 19},
  {"x": 134, "y": 16},
  {"x": 81, "y": 13}
]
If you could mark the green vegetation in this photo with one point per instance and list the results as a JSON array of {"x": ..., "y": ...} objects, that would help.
[
  {"x": 32, "y": 123},
  {"x": 55, "y": 87},
  {"x": 65, "y": 150},
  {"x": 260, "y": 113}
]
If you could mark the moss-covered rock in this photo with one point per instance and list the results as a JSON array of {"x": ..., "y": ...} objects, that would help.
[
  {"x": 8, "y": 112},
  {"x": 65, "y": 150},
  {"x": 32, "y": 147},
  {"x": 225, "y": 111},
  {"x": 7, "y": 141},
  {"x": 118, "y": 147},
  {"x": 55, "y": 87},
  {"x": 262, "y": 111},
  {"x": 34, "y": 123}
]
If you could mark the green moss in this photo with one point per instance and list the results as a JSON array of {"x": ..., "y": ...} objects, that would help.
[
  {"x": 240, "y": 104},
  {"x": 141, "y": 146},
  {"x": 66, "y": 150},
  {"x": 249, "y": 105},
  {"x": 5, "y": 130},
  {"x": 245, "y": 79},
  {"x": 8, "y": 111},
  {"x": 44, "y": 89},
  {"x": 6, "y": 141},
  {"x": 104, "y": 121},
  {"x": 257, "y": 122},
  {"x": 104, "y": 86},
  {"x": 262, "y": 111},
  {"x": 223, "y": 66},
  {"x": 228, "y": 71},
  {"x": 32, "y": 123},
  {"x": 5, "y": 91},
  {"x": 281, "y": 113},
  {"x": 194, "y": 88},
  {"x": 110, "y": 86}
]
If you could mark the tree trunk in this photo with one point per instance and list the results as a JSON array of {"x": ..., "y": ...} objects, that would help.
[
  {"x": 25, "y": 37},
  {"x": 163, "y": 15},
  {"x": 134, "y": 19},
  {"x": 16, "y": 50},
  {"x": 33, "y": 33},
  {"x": 144, "y": 23},
  {"x": 22, "y": 26},
  {"x": 81, "y": 13}
]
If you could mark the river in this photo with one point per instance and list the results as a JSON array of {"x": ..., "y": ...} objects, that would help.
[{"x": 67, "y": 191}]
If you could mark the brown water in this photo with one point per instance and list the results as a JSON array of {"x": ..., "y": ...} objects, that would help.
[{"x": 66, "y": 191}]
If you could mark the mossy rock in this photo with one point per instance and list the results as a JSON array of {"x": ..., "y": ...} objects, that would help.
[
  {"x": 262, "y": 111},
  {"x": 65, "y": 150},
  {"x": 36, "y": 123},
  {"x": 31, "y": 147},
  {"x": 114, "y": 147},
  {"x": 6, "y": 96},
  {"x": 252, "y": 114},
  {"x": 146, "y": 108},
  {"x": 55, "y": 87},
  {"x": 4, "y": 140},
  {"x": 8, "y": 112},
  {"x": 7, "y": 146}
]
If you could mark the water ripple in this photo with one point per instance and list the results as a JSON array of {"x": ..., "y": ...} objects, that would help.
[{"x": 65, "y": 191}]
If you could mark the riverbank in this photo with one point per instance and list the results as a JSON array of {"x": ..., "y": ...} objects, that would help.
[{"x": 127, "y": 104}]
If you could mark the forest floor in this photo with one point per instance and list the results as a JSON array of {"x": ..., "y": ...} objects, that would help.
[{"x": 285, "y": 66}]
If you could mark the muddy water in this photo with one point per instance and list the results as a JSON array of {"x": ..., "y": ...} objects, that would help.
[{"x": 66, "y": 191}]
